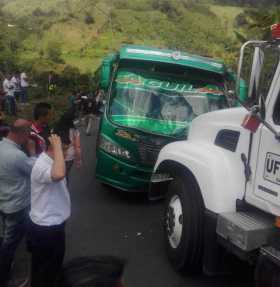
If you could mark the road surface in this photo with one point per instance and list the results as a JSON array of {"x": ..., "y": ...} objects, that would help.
[{"x": 105, "y": 221}]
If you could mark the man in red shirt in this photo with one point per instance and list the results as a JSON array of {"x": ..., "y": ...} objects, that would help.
[{"x": 42, "y": 114}]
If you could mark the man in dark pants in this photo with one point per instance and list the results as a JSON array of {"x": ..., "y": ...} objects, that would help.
[
  {"x": 4, "y": 128},
  {"x": 50, "y": 208},
  {"x": 15, "y": 170}
]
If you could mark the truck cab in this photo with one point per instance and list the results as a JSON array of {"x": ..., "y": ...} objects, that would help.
[
  {"x": 222, "y": 185},
  {"x": 152, "y": 97}
]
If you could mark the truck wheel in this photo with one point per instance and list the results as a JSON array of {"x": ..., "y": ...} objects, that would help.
[{"x": 184, "y": 216}]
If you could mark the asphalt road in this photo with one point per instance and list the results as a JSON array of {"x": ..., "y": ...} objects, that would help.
[{"x": 105, "y": 221}]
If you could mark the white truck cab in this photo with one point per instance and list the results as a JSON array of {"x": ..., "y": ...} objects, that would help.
[{"x": 222, "y": 185}]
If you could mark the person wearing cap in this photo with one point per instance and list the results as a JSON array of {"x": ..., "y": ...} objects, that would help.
[{"x": 15, "y": 171}]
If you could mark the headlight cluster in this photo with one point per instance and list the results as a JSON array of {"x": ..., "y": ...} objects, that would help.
[{"x": 113, "y": 148}]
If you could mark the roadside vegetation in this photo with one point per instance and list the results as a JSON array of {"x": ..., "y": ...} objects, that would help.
[{"x": 70, "y": 37}]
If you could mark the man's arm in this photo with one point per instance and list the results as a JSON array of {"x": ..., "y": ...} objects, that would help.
[
  {"x": 58, "y": 170},
  {"x": 25, "y": 163}
]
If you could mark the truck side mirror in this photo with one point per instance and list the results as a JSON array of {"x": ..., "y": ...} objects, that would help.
[
  {"x": 106, "y": 71},
  {"x": 105, "y": 76},
  {"x": 258, "y": 60}
]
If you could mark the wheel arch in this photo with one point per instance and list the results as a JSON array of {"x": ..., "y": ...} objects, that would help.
[
  {"x": 170, "y": 165},
  {"x": 219, "y": 174}
]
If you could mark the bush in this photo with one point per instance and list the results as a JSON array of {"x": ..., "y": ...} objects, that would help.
[
  {"x": 240, "y": 20},
  {"x": 167, "y": 7},
  {"x": 89, "y": 19},
  {"x": 38, "y": 12},
  {"x": 69, "y": 77},
  {"x": 54, "y": 52}
]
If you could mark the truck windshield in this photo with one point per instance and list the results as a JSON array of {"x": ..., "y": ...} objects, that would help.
[{"x": 162, "y": 105}]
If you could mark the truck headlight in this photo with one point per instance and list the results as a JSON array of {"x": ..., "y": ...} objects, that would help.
[{"x": 114, "y": 149}]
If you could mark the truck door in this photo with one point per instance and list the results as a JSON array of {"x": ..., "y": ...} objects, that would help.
[{"x": 267, "y": 177}]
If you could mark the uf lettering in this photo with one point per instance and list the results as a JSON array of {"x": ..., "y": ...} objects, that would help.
[{"x": 272, "y": 165}]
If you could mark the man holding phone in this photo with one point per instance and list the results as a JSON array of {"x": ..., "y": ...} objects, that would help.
[
  {"x": 50, "y": 208},
  {"x": 15, "y": 170}
]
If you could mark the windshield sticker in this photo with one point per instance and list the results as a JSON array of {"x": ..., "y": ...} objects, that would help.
[{"x": 180, "y": 87}]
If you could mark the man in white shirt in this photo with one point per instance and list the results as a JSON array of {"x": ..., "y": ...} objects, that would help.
[
  {"x": 16, "y": 82},
  {"x": 24, "y": 87},
  {"x": 9, "y": 89},
  {"x": 50, "y": 208}
]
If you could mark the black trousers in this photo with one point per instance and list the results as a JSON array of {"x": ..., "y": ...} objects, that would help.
[
  {"x": 47, "y": 247},
  {"x": 14, "y": 228}
]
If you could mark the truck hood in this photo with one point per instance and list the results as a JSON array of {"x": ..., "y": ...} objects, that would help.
[{"x": 206, "y": 126}]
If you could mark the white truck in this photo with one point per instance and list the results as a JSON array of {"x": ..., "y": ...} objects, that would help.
[{"x": 222, "y": 185}]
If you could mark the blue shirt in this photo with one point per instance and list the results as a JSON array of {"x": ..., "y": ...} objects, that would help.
[{"x": 15, "y": 171}]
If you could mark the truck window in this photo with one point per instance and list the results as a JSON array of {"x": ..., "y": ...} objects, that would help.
[{"x": 163, "y": 103}]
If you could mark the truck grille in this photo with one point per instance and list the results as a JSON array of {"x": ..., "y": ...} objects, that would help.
[{"x": 148, "y": 153}]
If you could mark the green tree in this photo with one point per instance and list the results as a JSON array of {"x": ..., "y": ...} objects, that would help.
[{"x": 260, "y": 21}]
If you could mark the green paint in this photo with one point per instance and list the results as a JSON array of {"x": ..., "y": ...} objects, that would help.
[
  {"x": 150, "y": 54},
  {"x": 154, "y": 96},
  {"x": 154, "y": 126}
]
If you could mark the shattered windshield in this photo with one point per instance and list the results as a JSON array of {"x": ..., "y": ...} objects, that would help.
[{"x": 162, "y": 105}]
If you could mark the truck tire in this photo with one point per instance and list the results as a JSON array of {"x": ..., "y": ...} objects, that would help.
[{"x": 184, "y": 218}]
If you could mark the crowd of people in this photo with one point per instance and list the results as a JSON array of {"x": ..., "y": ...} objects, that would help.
[
  {"x": 14, "y": 89},
  {"x": 35, "y": 202}
]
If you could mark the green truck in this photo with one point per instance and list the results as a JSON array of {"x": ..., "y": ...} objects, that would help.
[{"x": 152, "y": 95}]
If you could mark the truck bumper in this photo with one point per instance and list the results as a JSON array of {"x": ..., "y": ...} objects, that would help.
[{"x": 122, "y": 175}]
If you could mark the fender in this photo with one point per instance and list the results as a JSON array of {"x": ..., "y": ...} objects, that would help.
[{"x": 218, "y": 172}]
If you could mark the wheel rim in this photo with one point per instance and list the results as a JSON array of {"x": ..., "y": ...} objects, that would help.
[{"x": 174, "y": 221}]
